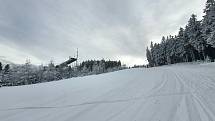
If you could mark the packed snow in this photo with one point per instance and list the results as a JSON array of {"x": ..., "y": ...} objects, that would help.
[{"x": 184, "y": 92}]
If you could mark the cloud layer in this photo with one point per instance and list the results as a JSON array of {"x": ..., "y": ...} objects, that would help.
[{"x": 109, "y": 29}]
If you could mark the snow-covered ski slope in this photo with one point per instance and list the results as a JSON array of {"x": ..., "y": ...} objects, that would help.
[{"x": 184, "y": 92}]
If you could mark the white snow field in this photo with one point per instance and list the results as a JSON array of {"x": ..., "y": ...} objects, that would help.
[{"x": 184, "y": 92}]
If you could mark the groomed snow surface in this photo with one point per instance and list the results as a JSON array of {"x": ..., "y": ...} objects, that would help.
[{"x": 169, "y": 93}]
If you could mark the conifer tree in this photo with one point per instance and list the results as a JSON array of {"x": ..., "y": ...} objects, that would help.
[
  {"x": 0, "y": 66},
  {"x": 208, "y": 22}
]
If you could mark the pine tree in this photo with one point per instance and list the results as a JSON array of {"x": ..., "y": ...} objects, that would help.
[
  {"x": 27, "y": 72},
  {"x": 153, "y": 56},
  {"x": 95, "y": 67},
  {"x": 211, "y": 39},
  {"x": 1, "y": 74},
  {"x": 0, "y": 66},
  {"x": 169, "y": 45},
  {"x": 149, "y": 57},
  {"x": 51, "y": 73},
  {"x": 179, "y": 46},
  {"x": 163, "y": 47},
  {"x": 195, "y": 42},
  {"x": 6, "y": 68},
  {"x": 102, "y": 66},
  {"x": 119, "y": 64},
  {"x": 6, "y": 75},
  {"x": 195, "y": 38},
  {"x": 208, "y": 22}
]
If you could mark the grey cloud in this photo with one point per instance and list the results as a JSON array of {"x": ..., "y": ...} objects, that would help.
[{"x": 108, "y": 29}]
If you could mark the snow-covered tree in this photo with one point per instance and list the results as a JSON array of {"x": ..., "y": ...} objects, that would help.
[
  {"x": 102, "y": 66},
  {"x": 6, "y": 68},
  {"x": 51, "y": 73},
  {"x": 149, "y": 57},
  {"x": 195, "y": 42},
  {"x": 195, "y": 38},
  {"x": 208, "y": 22},
  {"x": 163, "y": 49},
  {"x": 211, "y": 39},
  {"x": 95, "y": 67}
]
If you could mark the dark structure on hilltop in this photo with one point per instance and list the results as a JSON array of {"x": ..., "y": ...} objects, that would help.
[
  {"x": 71, "y": 60},
  {"x": 66, "y": 63}
]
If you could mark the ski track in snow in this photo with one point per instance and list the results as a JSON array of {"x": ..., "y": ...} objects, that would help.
[{"x": 168, "y": 93}]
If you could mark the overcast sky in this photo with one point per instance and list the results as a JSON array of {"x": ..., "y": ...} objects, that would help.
[{"x": 111, "y": 29}]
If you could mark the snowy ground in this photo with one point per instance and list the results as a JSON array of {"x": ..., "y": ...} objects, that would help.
[{"x": 168, "y": 93}]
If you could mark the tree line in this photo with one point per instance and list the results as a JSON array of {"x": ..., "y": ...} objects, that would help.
[
  {"x": 194, "y": 42},
  {"x": 30, "y": 74},
  {"x": 97, "y": 67}
]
